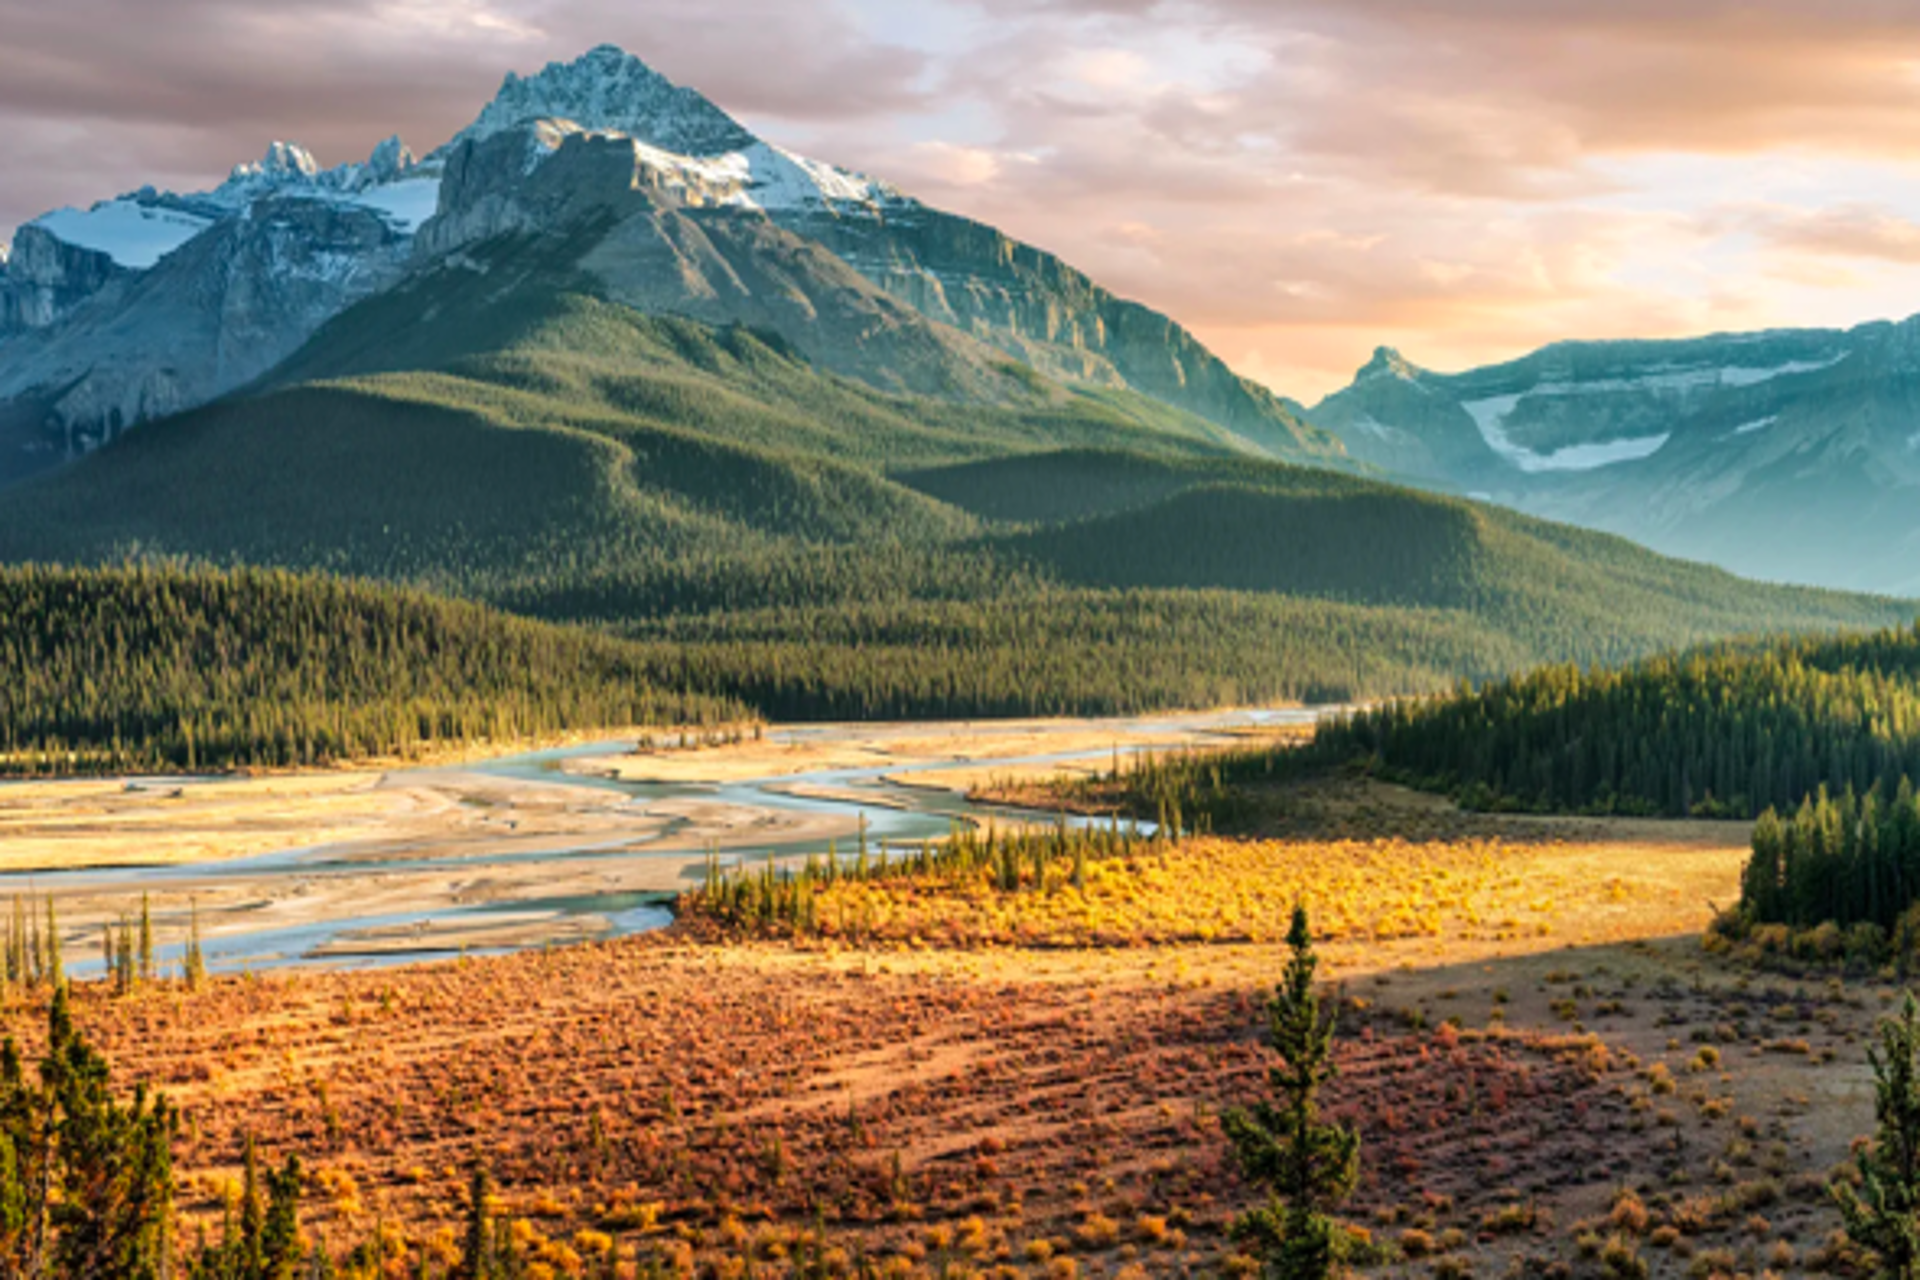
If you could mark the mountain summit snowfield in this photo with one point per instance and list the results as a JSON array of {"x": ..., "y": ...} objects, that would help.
[{"x": 152, "y": 303}]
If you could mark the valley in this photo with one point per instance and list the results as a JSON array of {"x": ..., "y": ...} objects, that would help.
[
  {"x": 362, "y": 865},
  {"x": 615, "y": 701},
  {"x": 1579, "y": 1078}
]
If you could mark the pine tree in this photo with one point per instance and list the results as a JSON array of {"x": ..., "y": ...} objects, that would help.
[
  {"x": 279, "y": 1249},
  {"x": 124, "y": 974},
  {"x": 253, "y": 1216},
  {"x": 56, "y": 973},
  {"x": 196, "y": 960},
  {"x": 146, "y": 940},
  {"x": 1884, "y": 1213},
  {"x": 1307, "y": 1166},
  {"x": 110, "y": 1164},
  {"x": 477, "y": 1261}
]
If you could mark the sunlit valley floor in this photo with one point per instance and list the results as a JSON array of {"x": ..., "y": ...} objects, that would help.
[{"x": 1544, "y": 1064}]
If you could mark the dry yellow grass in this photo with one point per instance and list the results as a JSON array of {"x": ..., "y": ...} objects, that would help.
[{"x": 1243, "y": 891}]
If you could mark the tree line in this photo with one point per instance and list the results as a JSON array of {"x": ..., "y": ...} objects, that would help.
[
  {"x": 164, "y": 668},
  {"x": 1850, "y": 859},
  {"x": 1726, "y": 731}
]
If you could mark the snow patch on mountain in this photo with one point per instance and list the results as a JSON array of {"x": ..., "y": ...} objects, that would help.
[
  {"x": 134, "y": 235},
  {"x": 1490, "y": 416},
  {"x": 1591, "y": 457},
  {"x": 405, "y": 204},
  {"x": 759, "y": 176}
]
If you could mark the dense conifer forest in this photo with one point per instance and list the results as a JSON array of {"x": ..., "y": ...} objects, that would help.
[
  {"x": 172, "y": 669},
  {"x": 1727, "y": 731},
  {"x": 1850, "y": 859}
]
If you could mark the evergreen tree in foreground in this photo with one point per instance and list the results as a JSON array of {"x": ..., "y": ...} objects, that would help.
[
  {"x": 477, "y": 1259},
  {"x": 1884, "y": 1212},
  {"x": 86, "y": 1182},
  {"x": 1307, "y": 1166}
]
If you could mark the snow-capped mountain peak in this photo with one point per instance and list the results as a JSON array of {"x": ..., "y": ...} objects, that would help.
[
  {"x": 291, "y": 169},
  {"x": 390, "y": 160},
  {"x": 283, "y": 160},
  {"x": 682, "y": 143},
  {"x": 609, "y": 90}
]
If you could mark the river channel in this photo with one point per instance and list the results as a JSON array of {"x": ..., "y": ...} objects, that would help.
[{"x": 507, "y": 873}]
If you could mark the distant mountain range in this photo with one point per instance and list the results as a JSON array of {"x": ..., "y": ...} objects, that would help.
[
  {"x": 153, "y": 302},
  {"x": 1791, "y": 455},
  {"x": 606, "y": 357}
]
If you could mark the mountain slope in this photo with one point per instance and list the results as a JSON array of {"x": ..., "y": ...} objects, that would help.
[
  {"x": 1793, "y": 456},
  {"x": 1112, "y": 520},
  {"x": 483, "y": 424},
  {"x": 494, "y": 429},
  {"x": 153, "y": 303}
]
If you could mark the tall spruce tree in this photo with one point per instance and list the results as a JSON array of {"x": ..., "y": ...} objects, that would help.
[
  {"x": 1883, "y": 1214},
  {"x": 86, "y": 1181},
  {"x": 196, "y": 959},
  {"x": 1307, "y": 1166},
  {"x": 477, "y": 1256}
]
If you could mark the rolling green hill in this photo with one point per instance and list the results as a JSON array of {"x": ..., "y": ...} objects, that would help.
[
  {"x": 1115, "y": 521},
  {"x": 776, "y": 533}
]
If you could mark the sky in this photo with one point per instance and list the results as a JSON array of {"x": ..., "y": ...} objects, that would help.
[{"x": 1297, "y": 181}]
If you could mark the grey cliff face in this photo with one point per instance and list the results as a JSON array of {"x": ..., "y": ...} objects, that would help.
[
  {"x": 1034, "y": 307},
  {"x": 643, "y": 242},
  {"x": 207, "y": 319},
  {"x": 45, "y": 278}
]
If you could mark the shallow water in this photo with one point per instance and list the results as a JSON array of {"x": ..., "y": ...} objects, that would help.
[{"x": 257, "y": 939}]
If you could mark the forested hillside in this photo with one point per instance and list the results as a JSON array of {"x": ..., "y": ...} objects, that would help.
[
  {"x": 773, "y": 533},
  {"x": 1732, "y": 730},
  {"x": 170, "y": 669}
]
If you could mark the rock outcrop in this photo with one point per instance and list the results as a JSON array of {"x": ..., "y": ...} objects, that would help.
[
  {"x": 44, "y": 278},
  {"x": 208, "y": 318},
  {"x": 645, "y": 239}
]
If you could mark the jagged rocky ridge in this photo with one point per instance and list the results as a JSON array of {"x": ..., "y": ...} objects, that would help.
[
  {"x": 156, "y": 302},
  {"x": 1789, "y": 455}
]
